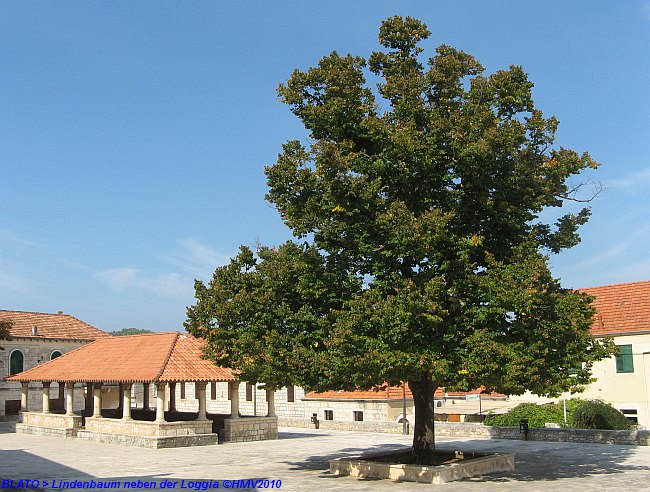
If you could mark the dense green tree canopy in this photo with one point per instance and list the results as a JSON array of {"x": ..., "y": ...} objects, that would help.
[
  {"x": 424, "y": 256},
  {"x": 129, "y": 331}
]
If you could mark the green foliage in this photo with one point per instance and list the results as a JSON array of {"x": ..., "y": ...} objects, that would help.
[
  {"x": 596, "y": 414},
  {"x": 581, "y": 414},
  {"x": 129, "y": 331},
  {"x": 537, "y": 415},
  {"x": 425, "y": 257},
  {"x": 5, "y": 328}
]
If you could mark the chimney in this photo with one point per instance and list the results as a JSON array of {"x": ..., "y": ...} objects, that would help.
[{"x": 34, "y": 330}]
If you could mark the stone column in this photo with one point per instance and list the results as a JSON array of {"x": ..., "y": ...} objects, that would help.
[
  {"x": 69, "y": 398},
  {"x": 97, "y": 400},
  {"x": 126, "y": 402},
  {"x": 172, "y": 397},
  {"x": 233, "y": 386},
  {"x": 270, "y": 402},
  {"x": 160, "y": 402},
  {"x": 24, "y": 397},
  {"x": 200, "y": 389},
  {"x": 145, "y": 396},
  {"x": 46, "y": 397}
]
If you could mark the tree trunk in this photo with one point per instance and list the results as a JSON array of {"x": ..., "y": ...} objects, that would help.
[{"x": 424, "y": 446}]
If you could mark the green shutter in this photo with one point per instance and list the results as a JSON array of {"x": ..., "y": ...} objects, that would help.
[{"x": 624, "y": 360}]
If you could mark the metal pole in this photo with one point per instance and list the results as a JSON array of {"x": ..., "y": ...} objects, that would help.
[
  {"x": 404, "y": 424},
  {"x": 565, "y": 422},
  {"x": 255, "y": 400}
]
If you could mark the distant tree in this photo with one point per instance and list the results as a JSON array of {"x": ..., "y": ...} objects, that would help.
[
  {"x": 5, "y": 329},
  {"x": 128, "y": 331},
  {"x": 425, "y": 258}
]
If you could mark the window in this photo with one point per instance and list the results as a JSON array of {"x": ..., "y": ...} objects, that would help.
[
  {"x": 631, "y": 414},
  {"x": 55, "y": 354},
  {"x": 291, "y": 394},
  {"x": 16, "y": 361},
  {"x": 213, "y": 390},
  {"x": 329, "y": 414},
  {"x": 624, "y": 361},
  {"x": 358, "y": 416},
  {"x": 182, "y": 391},
  {"x": 249, "y": 392}
]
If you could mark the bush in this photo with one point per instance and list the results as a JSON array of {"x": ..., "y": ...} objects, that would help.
[
  {"x": 537, "y": 415},
  {"x": 596, "y": 414}
]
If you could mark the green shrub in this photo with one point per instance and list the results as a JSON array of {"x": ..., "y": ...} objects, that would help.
[
  {"x": 537, "y": 415},
  {"x": 596, "y": 414}
]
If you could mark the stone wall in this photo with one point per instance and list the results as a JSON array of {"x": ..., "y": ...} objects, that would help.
[
  {"x": 51, "y": 420},
  {"x": 49, "y": 424},
  {"x": 155, "y": 442},
  {"x": 365, "y": 426},
  {"x": 250, "y": 429},
  {"x": 149, "y": 429},
  {"x": 35, "y": 352},
  {"x": 479, "y": 431}
]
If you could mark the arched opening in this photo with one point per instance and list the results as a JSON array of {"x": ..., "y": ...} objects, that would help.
[
  {"x": 55, "y": 354},
  {"x": 16, "y": 362}
]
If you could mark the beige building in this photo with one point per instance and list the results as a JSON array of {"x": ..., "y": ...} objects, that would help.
[
  {"x": 623, "y": 312},
  {"x": 37, "y": 338}
]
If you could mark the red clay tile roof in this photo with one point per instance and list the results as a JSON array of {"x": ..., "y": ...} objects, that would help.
[
  {"x": 387, "y": 393},
  {"x": 154, "y": 357},
  {"x": 186, "y": 363},
  {"x": 620, "y": 308},
  {"x": 60, "y": 326}
]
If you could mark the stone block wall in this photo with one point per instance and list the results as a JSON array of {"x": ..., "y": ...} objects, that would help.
[
  {"x": 250, "y": 429},
  {"x": 148, "y": 429},
  {"x": 51, "y": 420},
  {"x": 480, "y": 431},
  {"x": 35, "y": 352}
]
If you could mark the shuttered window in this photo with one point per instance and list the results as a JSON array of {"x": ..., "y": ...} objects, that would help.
[{"x": 624, "y": 359}]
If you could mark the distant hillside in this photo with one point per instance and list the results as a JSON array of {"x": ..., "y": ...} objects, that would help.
[{"x": 128, "y": 331}]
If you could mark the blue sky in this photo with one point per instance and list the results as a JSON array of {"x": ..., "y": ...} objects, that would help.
[{"x": 133, "y": 135}]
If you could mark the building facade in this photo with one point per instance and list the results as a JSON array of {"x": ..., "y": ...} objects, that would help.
[{"x": 36, "y": 338}]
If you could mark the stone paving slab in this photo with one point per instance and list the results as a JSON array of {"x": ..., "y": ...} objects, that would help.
[{"x": 300, "y": 458}]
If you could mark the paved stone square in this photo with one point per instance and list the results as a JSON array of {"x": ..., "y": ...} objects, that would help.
[{"x": 300, "y": 459}]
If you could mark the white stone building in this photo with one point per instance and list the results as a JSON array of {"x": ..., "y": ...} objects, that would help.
[{"x": 35, "y": 339}]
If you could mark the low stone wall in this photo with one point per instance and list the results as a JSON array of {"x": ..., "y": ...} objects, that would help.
[
  {"x": 638, "y": 438},
  {"x": 45, "y": 431},
  {"x": 147, "y": 429},
  {"x": 250, "y": 429},
  {"x": 479, "y": 431},
  {"x": 155, "y": 442},
  {"x": 48, "y": 422},
  {"x": 365, "y": 468},
  {"x": 383, "y": 427}
]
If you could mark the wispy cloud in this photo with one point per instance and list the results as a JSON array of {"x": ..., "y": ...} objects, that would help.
[
  {"x": 193, "y": 260},
  {"x": 633, "y": 181},
  {"x": 620, "y": 248},
  {"x": 167, "y": 285},
  {"x": 13, "y": 282},
  {"x": 196, "y": 258}
]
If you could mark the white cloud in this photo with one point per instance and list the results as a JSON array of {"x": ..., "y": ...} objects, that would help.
[
  {"x": 632, "y": 181},
  {"x": 626, "y": 245},
  {"x": 13, "y": 282},
  {"x": 194, "y": 260},
  {"x": 168, "y": 285},
  {"x": 197, "y": 259}
]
